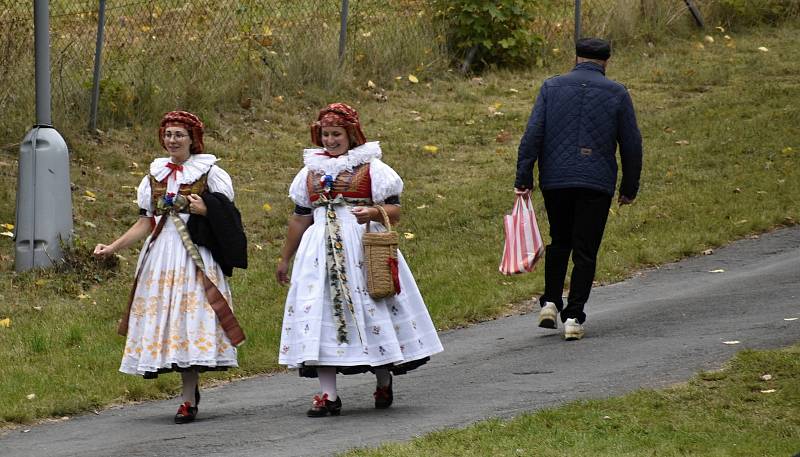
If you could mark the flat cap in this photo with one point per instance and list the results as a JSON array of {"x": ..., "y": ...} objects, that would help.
[{"x": 593, "y": 48}]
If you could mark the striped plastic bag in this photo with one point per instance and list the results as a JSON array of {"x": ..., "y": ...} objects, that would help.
[{"x": 523, "y": 246}]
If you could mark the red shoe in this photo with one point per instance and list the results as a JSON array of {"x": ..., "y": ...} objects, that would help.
[
  {"x": 322, "y": 406},
  {"x": 384, "y": 396},
  {"x": 186, "y": 413}
]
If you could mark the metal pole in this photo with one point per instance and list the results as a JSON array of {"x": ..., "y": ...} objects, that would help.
[
  {"x": 577, "y": 20},
  {"x": 98, "y": 52},
  {"x": 41, "y": 34},
  {"x": 343, "y": 30}
]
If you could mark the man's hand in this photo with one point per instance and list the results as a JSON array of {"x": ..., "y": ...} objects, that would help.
[{"x": 624, "y": 200}]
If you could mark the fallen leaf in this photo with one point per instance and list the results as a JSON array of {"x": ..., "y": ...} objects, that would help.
[
  {"x": 89, "y": 224},
  {"x": 370, "y": 84},
  {"x": 89, "y": 193},
  {"x": 708, "y": 252},
  {"x": 469, "y": 122},
  {"x": 718, "y": 270},
  {"x": 266, "y": 207},
  {"x": 606, "y": 417},
  {"x": 682, "y": 142},
  {"x": 768, "y": 391},
  {"x": 30, "y": 396},
  {"x": 5, "y": 322},
  {"x": 430, "y": 148},
  {"x": 259, "y": 247},
  {"x": 422, "y": 206},
  {"x": 513, "y": 91},
  {"x": 727, "y": 37},
  {"x": 37, "y": 308},
  {"x": 766, "y": 377},
  {"x": 83, "y": 296},
  {"x": 440, "y": 196},
  {"x": 721, "y": 29},
  {"x": 731, "y": 342},
  {"x": 413, "y": 79},
  {"x": 11, "y": 226},
  {"x": 8, "y": 234},
  {"x": 763, "y": 49},
  {"x": 408, "y": 235},
  {"x": 503, "y": 137},
  {"x": 708, "y": 39},
  {"x": 89, "y": 199}
]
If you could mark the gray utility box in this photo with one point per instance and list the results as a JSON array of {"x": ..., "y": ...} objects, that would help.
[{"x": 44, "y": 200}]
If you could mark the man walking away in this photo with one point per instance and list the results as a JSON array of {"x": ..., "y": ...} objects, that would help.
[{"x": 577, "y": 122}]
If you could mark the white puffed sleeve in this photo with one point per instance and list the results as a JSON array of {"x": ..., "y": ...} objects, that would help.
[
  {"x": 144, "y": 196},
  {"x": 385, "y": 181},
  {"x": 298, "y": 190},
  {"x": 220, "y": 181}
]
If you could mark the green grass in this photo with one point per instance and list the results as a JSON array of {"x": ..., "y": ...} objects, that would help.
[
  {"x": 721, "y": 413},
  {"x": 738, "y": 174}
]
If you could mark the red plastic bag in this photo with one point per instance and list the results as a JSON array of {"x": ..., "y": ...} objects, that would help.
[{"x": 523, "y": 247}]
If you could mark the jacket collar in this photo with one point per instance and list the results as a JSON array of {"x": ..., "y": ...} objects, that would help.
[{"x": 590, "y": 66}]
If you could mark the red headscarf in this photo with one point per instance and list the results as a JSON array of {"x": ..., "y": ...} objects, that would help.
[
  {"x": 338, "y": 115},
  {"x": 187, "y": 120}
]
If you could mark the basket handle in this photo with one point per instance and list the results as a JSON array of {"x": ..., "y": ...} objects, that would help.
[{"x": 386, "y": 222}]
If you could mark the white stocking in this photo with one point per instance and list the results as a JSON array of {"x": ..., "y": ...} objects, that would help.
[
  {"x": 190, "y": 379},
  {"x": 327, "y": 381},
  {"x": 383, "y": 376}
]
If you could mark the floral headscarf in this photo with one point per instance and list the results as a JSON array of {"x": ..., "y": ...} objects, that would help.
[
  {"x": 187, "y": 120},
  {"x": 338, "y": 115}
]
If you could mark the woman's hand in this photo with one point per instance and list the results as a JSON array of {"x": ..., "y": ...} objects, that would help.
[
  {"x": 101, "y": 250},
  {"x": 282, "y": 272},
  {"x": 363, "y": 214},
  {"x": 197, "y": 205}
]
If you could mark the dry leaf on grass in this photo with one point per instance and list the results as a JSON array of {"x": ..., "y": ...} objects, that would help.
[
  {"x": 413, "y": 79},
  {"x": 266, "y": 207},
  {"x": 763, "y": 49},
  {"x": 5, "y": 322},
  {"x": 430, "y": 148},
  {"x": 408, "y": 235},
  {"x": 766, "y": 377},
  {"x": 768, "y": 391}
]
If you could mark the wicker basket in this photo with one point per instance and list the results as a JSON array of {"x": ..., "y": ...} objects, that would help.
[{"x": 380, "y": 260}]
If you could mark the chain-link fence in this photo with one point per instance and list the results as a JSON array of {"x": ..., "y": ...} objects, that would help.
[{"x": 200, "y": 54}]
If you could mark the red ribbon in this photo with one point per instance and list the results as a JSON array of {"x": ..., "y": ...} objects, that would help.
[
  {"x": 395, "y": 274},
  {"x": 320, "y": 402},
  {"x": 173, "y": 167}
]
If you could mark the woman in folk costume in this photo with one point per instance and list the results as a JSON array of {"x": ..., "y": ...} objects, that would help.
[
  {"x": 331, "y": 324},
  {"x": 179, "y": 316}
]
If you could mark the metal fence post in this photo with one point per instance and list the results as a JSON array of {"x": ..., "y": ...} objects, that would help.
[
  {"x": 98, "y": 52},
  {"x": 343, "y": 30},
  {"x": 577, "y": 20}
]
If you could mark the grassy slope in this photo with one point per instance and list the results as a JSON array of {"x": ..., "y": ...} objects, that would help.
[
  {"x": 732, "y": 413},
  {"x": 738, "y": 174}
]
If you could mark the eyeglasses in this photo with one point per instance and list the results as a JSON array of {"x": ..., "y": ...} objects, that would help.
[{"x": 178, "y": 136}]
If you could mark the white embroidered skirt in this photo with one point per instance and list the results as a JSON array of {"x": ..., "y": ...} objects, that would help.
[
  {"x": 390, "y": 331},
  {"x": 171, "y": 324}
]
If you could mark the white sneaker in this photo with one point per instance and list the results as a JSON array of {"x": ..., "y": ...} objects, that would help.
[
  {"x": 572, "y": 329},
  {"x": 548, "y": 315}
]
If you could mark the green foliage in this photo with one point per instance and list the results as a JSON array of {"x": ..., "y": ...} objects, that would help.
[
  {"x": 752, "y": 12},
  {"x": 499, "y": 32}
]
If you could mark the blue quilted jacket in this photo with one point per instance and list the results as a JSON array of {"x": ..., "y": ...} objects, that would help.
[{"x": 577, "y": 122}]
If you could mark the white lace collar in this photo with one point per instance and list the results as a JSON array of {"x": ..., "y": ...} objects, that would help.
[
  {"x": 318, "y": 163},
  {"x": 193, "y": 168}
]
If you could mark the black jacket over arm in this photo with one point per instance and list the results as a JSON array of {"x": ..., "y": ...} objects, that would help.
[{"x": 221, "y": 231}]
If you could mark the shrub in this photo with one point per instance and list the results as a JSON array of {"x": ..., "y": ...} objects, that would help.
[
  {"x": 497, "y": 33},
  {"x": 753, "y": 12}
]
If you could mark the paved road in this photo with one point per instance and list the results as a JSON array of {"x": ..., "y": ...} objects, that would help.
[{"x": 656, "y": 329}]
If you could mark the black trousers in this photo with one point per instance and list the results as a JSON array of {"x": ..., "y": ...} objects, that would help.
[{"x": 577, "y": 220}]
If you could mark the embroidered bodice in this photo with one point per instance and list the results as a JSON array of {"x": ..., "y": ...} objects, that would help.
[
  {"x": 354, "y": 186},
  {"x": 158, "y": 189},
  {"x": 359, "y": 176}
]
